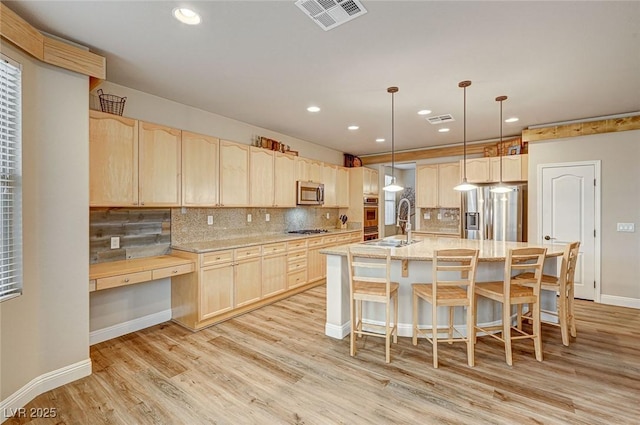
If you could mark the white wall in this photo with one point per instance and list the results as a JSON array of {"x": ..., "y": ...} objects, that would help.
[
  {"x": 147, "y": 107},
  {"x": 620, "y": 183},
  {"x": 47, "y": 328}
]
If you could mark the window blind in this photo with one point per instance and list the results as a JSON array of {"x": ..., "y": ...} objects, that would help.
[{"x": 10, "y": 179}]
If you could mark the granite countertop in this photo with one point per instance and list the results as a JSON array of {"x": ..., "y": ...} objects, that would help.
[
  {"x": 423, "y": 249},
  {"x": 222, "y": 244}
]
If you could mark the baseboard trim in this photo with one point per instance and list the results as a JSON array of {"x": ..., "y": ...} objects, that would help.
[
  {"x": 620, "y": 301},
  {"x": 124, "y": 328},
  {"x": 338, "y": 332},
  {"x": 41, "y": 384}
]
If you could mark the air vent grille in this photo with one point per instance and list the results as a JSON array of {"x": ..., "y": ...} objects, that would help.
[
  {"x": 328, "y": 14},
  {"x": 439, "y": 119}
]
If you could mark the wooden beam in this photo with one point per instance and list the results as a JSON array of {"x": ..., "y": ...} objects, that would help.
[
  {"x": 19, "y": 32},
  {"x": 73, "y": 58},
  {"x": 428, "y": 153},
  {"x": 94, "y": 82},
  {"x": 47, "y": 49},
  {"x": 581, "y": 129}
]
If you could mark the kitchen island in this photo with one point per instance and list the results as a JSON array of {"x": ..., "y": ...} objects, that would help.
[{"x": 412, "y": 264}]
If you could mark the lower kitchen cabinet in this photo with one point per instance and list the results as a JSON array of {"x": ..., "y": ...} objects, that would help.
[
  {"x": 230, "y": 282},
  {"x": 216, "y": 290}
]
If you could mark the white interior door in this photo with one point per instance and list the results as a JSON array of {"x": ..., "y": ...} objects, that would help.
[{"x": 569, "y": 212}]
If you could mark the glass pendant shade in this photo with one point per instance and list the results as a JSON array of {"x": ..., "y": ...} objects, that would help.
[
  {"x": 465, "y": 186},
  {"x": 393, "y": 187}
]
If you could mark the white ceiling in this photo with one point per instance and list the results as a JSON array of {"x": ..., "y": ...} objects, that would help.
[{"x": 264, "y": 62}]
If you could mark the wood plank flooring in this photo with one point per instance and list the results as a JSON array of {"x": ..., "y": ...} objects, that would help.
[{"x": 276, "y": 366}]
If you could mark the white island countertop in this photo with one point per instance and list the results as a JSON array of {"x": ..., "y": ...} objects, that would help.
[{"x": 423, "y": 248}]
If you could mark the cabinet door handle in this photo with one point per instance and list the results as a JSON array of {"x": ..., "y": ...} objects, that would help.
[
  {"x": 175, "y": 271},
  {"x": 126, "y": 280}
]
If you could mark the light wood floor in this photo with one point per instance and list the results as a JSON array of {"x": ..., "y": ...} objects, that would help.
[{"x": 276, "y": 366}]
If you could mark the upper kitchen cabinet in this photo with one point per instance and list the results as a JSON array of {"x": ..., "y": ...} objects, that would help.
[
  {"x": 113, "y": 160},
  {"x": 370, "y": 181},
  {"x": 342, "y": 187},
  {"x": 159, "y": 165},
  {"x": 199, "y": 170},
  {"x": 284, "y": 191},
  {"x": 435, "y": 183},
  {"x": 329, "y": 179},
  {"x": 308, "y": 170},
  {"x": 514, "y": 168},
  {"x": 478, "y": 170},
  {"x": 234, "y": 174},
  {"x": 262, "y": 177}
]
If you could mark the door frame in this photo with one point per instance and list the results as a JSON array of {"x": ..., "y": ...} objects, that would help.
[{"x": 596, "y": 216}]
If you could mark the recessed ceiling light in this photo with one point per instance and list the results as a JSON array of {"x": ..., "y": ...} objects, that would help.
[
  {"x": 353, "y": 127},
  {"x": 512, "y": 119},
  {"x": 443, "y": 130},
  {"x": 380, "y": 140},
  {"x": 313, "y": 109},
  {"x": 424, "y": 112},
  {"x": 186, "y": 16}
]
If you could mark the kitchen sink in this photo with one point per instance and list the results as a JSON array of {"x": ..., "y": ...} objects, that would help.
[{"x": 390, "y": 243}]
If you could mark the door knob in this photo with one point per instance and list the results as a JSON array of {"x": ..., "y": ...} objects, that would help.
[{"x": 547, "y": 238}]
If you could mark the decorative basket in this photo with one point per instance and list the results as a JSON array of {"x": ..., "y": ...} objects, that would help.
[{"x": 110, "y": 103}]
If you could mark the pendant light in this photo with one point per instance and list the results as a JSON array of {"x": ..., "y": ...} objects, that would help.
[
  {"x": 393, "y": 186},
  {"x": 465, "y": 185},
  {"x": 501, "y": 188}
]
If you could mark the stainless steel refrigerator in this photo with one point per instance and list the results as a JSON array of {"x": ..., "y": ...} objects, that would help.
[{"x": 495, "y": 216}]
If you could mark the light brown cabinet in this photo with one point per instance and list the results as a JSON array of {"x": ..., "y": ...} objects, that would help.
[
  {"x": 159, "y": 165},
  {"x": 370, "y": 181},
  {"x": 234, "y": 174},
  {"x": 435, "y": 183},
  {"x": 199, "y": 170},
  {"x": 514, "y": 168},
  {"x": 113, "y": 160},
  {"x": 342, "y": 187},
  {"x": 261, "y": 177},
  {"x": 308, "y": 170},
  {"x": 216, "y": 290},
  {"x": 329, "y": 179},
  {"x": 487, "y": 169},
  {"x": 274, "y": 269},
  {"x": 247, "y": 281},
  {"x": 284, "y": 191}
]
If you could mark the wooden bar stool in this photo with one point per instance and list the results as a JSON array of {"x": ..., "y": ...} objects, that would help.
[
  {"x": 563, "y": 286},
  {"x": 513, "y": 291},
  {"x": 370, "y": 281},
  {"x": 453, "y": 281}
]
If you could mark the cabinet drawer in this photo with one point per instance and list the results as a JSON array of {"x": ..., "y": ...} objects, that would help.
[
  {"x": 297, "y": 255},
  {"x": 330, "y": 240},
  {"x": 92, "y": 285},
  {"x": 247, "y": 252},
  {"x": 315, "y": 242},
  {"x": 217, "y": 257},
  {"x": 172, "y": 271},
  {"x": 122, "y": 280},
  {"x": 274, "y": 248},
  {"x": 293, "y": 245},
  {"x": 300, "y": 264},
  {"x": 296, "y": 278}
]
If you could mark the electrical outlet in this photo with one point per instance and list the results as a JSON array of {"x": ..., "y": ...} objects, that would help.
[
  {"x": 626, "y": 227},
  {"x": 248, "y": 218},
  {"x": 183, "y": 210},
  {"x": 327, "y": 215},
  {"x": 209, "y": 220},
  {"x": 439, "y": 216},
  {"x": 427, "y": 216},
  {"x": 115, "y": 242},
  {"x": 267, "y": 217}
]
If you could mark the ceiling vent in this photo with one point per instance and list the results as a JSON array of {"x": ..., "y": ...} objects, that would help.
[
  {"x": 439, "y": 119},
  {"x": 328, "y": 14}
]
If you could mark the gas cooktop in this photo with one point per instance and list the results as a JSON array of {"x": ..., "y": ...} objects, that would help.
[{"x": 309, "y": 231}]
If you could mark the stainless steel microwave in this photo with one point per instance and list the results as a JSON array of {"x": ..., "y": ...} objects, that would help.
[{"x": 310, "y": 193}]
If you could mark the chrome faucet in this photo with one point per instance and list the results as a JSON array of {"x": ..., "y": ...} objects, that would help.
[{"x": 407, "y": 221}]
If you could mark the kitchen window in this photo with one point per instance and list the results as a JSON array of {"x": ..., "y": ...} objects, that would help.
[
  {"x": 10, "y": 179},
  {"x": 389, "y": 204}
]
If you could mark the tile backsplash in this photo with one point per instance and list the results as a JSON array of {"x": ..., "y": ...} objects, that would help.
[
  {"x": 143, "y": 233},
  {"x": 442, "y": 220},
  {"x": 191, "y": 225}
]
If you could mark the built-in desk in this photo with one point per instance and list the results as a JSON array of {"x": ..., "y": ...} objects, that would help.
[{"x": 137, "y": 270}]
